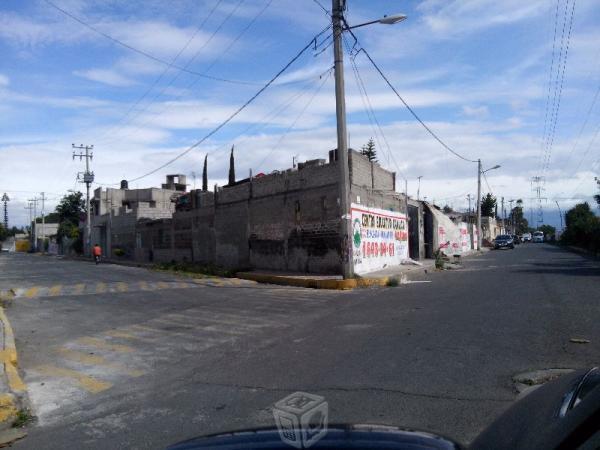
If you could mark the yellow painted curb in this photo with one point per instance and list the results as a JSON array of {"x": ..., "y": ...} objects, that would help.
[
  {"x": 313, "y": 282},
  {"x": 9, "y": 357}
]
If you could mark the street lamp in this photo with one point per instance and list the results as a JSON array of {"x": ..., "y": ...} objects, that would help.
[
  {"x": 385, "y": 20},
  {"x": 479, "y": 173},
  {"x": 337, "y": 20}
]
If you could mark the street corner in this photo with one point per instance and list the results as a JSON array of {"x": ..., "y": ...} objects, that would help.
[{"x": 14, "y": 411}]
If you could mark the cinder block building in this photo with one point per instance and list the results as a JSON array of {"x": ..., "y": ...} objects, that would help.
[
  {"x": 116, "y": 213},
  {"x": 287, "y": 220}
]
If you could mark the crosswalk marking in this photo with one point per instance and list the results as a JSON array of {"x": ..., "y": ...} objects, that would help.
[
  {"x": 55, "y": 290},
  {"x": 86, "y": 358},
  {"x": 121, "y": 286},
  {"x": 100, "y": 288},
  {"x": 103, "y": 345},
  {"x": 87, "y": 382},
  {"x": 31, "y": 292}
]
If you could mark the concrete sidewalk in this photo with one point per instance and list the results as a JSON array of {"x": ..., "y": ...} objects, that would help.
[
  {"x": 13, "y": 391},
  {"x": 384, "y": 277}
]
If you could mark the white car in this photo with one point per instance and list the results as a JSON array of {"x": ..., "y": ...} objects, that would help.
[
  {"x": 538, "y": 236},
  {"x": 526, "y": 237}
]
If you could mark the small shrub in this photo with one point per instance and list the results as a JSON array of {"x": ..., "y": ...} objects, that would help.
[
  {"x": 22, "y": 419},
  {"x": 392, "y": 282},
  {"x": 119, "y": 252}
]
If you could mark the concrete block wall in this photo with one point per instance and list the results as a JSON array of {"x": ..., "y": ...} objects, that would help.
[{"x": 369, "y": 174}]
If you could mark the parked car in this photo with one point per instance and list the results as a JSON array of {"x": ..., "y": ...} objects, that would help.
[
  {"x": 538, "y": 236},
  {"x": 504, "y": 241},
  {"x": 516, "y": 239},
  {"x": 526, "y": 237}
]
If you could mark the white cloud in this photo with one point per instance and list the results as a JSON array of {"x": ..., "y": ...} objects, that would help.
[
  {"x": 4, "y": 81},
  {"x": 105, "y": 76},
  {"x": 478, "y": 112}
]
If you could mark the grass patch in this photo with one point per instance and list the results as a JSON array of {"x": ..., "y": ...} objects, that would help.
[
  {"x": 22, "y": 419},
  {"x": 196, "y": 270}
]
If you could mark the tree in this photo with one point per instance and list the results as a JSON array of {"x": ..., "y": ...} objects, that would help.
[
  {"x": 518, "y": 218},
  {"x": 3, "y": 232},
  {"x": 488, "y": 205},
  {"x": 68, "y": 212},
  {"x": 548, "y": 230},
  {"x": 597, "y": 196},
  {"x": 368, "y": 150},
  {"x": 447, "y": 209},
  {"x": 582, "y": 227}
]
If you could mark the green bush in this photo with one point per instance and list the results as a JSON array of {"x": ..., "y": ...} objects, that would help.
[{"x": 119, "y": 252}]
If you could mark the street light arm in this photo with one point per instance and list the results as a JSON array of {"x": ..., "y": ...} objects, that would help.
[{"x": 385, "y": 20}]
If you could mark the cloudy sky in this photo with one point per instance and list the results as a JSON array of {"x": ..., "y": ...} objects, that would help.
[{"x": 513, "y": 83}]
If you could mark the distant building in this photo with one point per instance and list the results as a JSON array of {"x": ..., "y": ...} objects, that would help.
[{"x": 116, "y": 212}]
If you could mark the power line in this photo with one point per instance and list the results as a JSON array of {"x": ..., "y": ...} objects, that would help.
[
  {"x": 550, "y": 73},
  {"x": 562, "y": 78},
  {"x": 585, "y": 122},
  {"x": 236, "y": 112},
  {"x": 325, "y": 10},
  {"x": 164, "y": 72},
  {"x": 414, "y": 114},
  {"x": 369, "y": 107},
  {"x": 293, "y": 124},
  {"x": 146, "y": 54},
  {"x": 190, "y": 61}
]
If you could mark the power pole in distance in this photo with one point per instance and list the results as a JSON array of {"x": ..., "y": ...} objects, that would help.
[
  {"x": 5, "y": 200},
  {"x": 43, "y": 198},
  {"x": 34, "y": 223},
  {"x": 88, "y": 179},
  {"x": 469, "y": 199},
  {"x": 419, "y": 187}
]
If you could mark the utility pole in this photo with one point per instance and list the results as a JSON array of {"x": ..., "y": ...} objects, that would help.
[
  {"x": 30, "y": 208},
  {"x": 503, "y": 214},
  {"x": 88, "y": 179},
  {"x": 560, "y": 214},
  {"x": 479, "y": 205},
  {"x": 337, "y": 11},
  {"x": 469, "y": 200},
  {"x": 419, "y": 187},
  {"x": 43, "y": 198},
  {"x": 34, "y": 223},
  {"x": 5, "y": 200},
  {"x": 512, "y": 217}
]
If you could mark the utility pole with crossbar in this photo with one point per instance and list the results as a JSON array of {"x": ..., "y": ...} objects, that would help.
[{"x": 87, "y": 178}]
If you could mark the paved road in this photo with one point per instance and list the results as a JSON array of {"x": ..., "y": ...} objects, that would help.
[{"x": 137, "y": 359}]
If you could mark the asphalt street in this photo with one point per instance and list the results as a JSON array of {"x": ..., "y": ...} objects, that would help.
[{"x": 121, "y": 357}]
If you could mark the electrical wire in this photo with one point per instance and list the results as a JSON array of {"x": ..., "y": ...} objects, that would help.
[
  {"x": 325, "y": 10},
  {"x": 146, "y": 54},
  {"x": 585, "y": 122},
  {"x": 372, "y": 117},
  {"x": 550, "y": 76},
  {"x": 300, "y": 114},
  {"x": 408, "y": 107},
  {"x": 237, "y": 111},
  {"x": 163, "y": 73},
  {"x": 562, "y": 78},
  {"x": 190, "y": 61}
]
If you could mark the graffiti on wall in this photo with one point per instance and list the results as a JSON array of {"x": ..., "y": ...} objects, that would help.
[{"x": 379, "y": 238}]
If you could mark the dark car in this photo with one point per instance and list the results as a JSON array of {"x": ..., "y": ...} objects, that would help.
[
  {"x": 516, "y": 239},
  {"x": 504, "y": 241}
]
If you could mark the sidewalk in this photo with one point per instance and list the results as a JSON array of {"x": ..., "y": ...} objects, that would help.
[
  {"x": 13, "y": 390},
  {"x": 383, "y": 277}
]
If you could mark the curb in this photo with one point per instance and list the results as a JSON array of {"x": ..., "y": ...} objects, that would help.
[
  {"x": 12, "y": 401},
  {"x": 313, "y": 283}
]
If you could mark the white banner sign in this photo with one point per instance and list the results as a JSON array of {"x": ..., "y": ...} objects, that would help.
[{"x": 379, "y": 238}]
